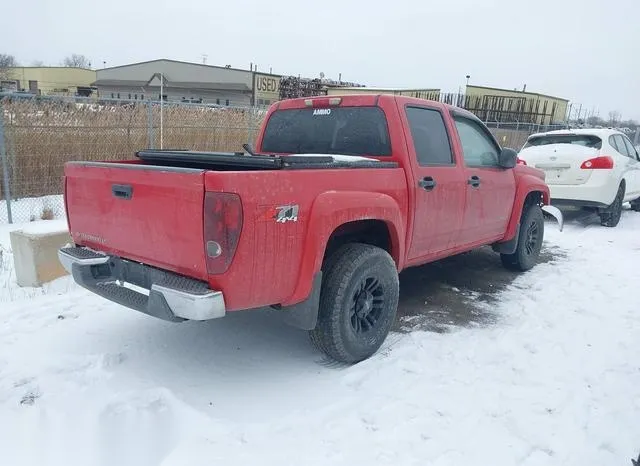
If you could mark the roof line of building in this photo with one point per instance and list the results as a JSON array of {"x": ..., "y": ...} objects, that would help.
[
  {"x": 519, "y": 92},
  {"x": 47, "y": 67},
  {"x": 177, "y": 61},
  {"x": 394, "y": 89}
]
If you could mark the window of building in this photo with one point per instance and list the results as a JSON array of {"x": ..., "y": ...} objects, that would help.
[
  {"x": 227, "y": 102},
  {"x": 112, "y": 96},
  {"x": 129, "y": 96},
  {"x": 430, "y": 138},
  {"x": 217, "y": 101},
  {"x": 118, "y": 95}
]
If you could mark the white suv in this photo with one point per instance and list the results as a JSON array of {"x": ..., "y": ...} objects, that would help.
[{"x": 597, "y": 169}]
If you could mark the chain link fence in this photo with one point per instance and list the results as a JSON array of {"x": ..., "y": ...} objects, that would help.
[{"x": 38, "y": 135}]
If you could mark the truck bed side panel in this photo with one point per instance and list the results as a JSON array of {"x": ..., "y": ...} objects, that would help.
[{"x": 268, "y": 262}]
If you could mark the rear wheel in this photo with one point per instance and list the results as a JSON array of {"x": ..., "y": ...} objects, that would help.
[
  {"x": 611, "y": 216},
  {"x": 529, "y": 240},
  {"x": 358, "y": 303},
  {"x": 635, "y": 205}
]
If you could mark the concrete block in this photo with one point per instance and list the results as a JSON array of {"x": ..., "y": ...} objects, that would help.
[{"x": 35, "y": 254}]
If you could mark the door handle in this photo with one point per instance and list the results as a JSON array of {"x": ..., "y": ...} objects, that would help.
[
  {"x": 427, "y": 183},
  {"x": 122, "y": 191},
  {"x": 474, "y": 181}
]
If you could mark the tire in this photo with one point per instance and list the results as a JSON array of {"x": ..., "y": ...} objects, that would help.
[
  {"x": 358, "y": 303},
  {"x": 635, "y": 205},
  {"x": 611, "y": 217},
  {"x": 530, "y": 240}
]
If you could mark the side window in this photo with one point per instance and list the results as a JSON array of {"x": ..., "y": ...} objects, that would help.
[
  {"x": 622, "y": 146},
  {"x": 630, "y": 149},
  {"x": 618, "y": 144},
  {"x": 429, "y": 136},
  {"x": 478, "y": 149}
]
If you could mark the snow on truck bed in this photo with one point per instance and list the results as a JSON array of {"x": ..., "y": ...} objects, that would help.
[{"x": 553, "y": 381}]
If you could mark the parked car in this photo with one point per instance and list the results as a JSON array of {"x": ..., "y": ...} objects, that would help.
[
  {"x": 596, "y": 169},
  {"x": 338, "y": 197}
]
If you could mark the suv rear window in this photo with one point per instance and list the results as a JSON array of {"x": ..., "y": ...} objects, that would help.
[
  {"x": 337, "y": 130},
  {"x": 585, "y": 140}
]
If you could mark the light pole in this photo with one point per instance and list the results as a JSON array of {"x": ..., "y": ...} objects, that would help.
[{"x": 468, "y": 76}]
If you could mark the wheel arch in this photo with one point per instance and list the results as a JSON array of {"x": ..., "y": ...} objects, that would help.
[{"x": 341, "y": 217}]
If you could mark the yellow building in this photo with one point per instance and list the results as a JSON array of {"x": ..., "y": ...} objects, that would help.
[
  {"x": 428, "y": 94},
  {"x": 504, "y": 105},
  {"x": 49, "y": 80}
]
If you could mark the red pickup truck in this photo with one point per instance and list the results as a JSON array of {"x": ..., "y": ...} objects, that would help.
[{"x": 339, "y": 195}]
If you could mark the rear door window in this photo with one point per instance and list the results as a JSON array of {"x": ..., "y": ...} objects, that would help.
[
  {"x": 430, "y": 137},
  {"x": 630, "y": 149},
  {"x": 619, "y": 145},
  {"x": 360, "y": 131}
]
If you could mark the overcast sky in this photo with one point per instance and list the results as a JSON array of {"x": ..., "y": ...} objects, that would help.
[{"x": 587, "y": 51}]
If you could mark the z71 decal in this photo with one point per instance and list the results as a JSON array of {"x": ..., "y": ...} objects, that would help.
[
  {"x": 287, "y": 213},
  {"x": 281, "y": 214}
]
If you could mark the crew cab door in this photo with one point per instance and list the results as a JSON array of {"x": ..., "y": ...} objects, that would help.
[
  {"x": 437, "y": 183},
  {"x": 490, "y": 189}
]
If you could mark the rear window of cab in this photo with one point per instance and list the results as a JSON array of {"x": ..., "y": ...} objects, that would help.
[{"x": 358, "y": 131}]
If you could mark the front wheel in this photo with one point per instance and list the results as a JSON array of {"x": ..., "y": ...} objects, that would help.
[
  {"x": 358, "y": 303},
  {"x": 529, "y": 241}
]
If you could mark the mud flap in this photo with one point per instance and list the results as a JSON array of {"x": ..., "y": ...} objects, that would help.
[
  {"x": 304, "y": 315},
  {"x": 555, "y": 213}
]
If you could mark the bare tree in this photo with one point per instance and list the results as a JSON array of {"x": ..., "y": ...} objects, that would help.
[
  {"x": 6, "y": 61},
  {"x": 77, "y": 61},
  {"x": 614, "y": 117},
  {"x": 595, "y": 121}
]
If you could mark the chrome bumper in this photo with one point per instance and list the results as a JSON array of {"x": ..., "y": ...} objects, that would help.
[{"x": 159, "y": 293}]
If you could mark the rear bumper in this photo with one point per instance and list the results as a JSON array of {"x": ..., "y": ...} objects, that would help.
[
  {"x": 595, "y": 193},
  {"x": 161, "y": 294}
]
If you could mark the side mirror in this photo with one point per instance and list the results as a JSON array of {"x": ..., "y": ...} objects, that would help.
[{"x": 508, "y": 158}]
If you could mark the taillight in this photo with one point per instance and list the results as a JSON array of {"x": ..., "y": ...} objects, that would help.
[
  {"x": 604, "y": 162},
  {"x": 519, "y": 161},
  {"x": 222, "y": 227}
]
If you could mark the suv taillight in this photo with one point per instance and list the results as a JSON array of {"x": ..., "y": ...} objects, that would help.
[
  {"x": 222, "y": 227},
  {"x": 603, "y": 162}
]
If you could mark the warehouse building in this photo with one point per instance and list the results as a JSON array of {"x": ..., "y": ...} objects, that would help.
[
  {"x": 505, "y": 105},
  {"x": 49, "y": 80},
  {"x": 179, "y": 82}
]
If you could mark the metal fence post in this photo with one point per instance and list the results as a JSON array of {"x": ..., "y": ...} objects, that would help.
[
  {"x": 150, "y": 123},
  {"x": 5, "y": 166},
  {"x": 248, "y": 120}
]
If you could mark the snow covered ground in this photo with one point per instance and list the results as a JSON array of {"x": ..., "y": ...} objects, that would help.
[{"x": 553, "y": 381}]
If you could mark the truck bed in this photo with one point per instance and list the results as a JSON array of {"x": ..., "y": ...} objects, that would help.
[{"x": 229, "y": 161}]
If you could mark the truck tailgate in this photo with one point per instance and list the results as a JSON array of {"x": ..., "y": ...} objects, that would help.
[{"x": 152, "y": 215}]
